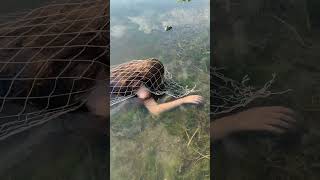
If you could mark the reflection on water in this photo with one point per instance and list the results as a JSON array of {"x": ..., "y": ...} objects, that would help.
[
  {"x": 138, "y": 27},
  {"x": 175, "y": 145}
]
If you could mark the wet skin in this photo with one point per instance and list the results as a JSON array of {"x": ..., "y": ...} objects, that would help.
[{"x": 274, "y": 119}]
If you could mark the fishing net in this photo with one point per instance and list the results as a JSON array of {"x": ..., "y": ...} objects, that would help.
[
  {"x": 229, "y": 95},
  {"x": 50, "y": 58},
  {"x": 127, "y": 78}
]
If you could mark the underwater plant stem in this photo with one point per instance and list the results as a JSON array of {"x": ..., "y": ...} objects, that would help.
[{"x": 190, "y": 140}]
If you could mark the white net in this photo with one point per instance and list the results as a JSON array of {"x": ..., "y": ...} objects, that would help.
[
  {"x": 229, "y": 95},
  {"x": 127, "y": 78},
  {"x": 50, "y": 58}
]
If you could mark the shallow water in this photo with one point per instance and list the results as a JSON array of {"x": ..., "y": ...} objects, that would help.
[
  {"x": 143, "y": 147},
  {"x": 138, "y": 27}
]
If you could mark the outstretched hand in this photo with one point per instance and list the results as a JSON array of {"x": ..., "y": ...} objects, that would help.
[
  {"x": 275, "y": 119},
  {"x": 193, "y": 99}
]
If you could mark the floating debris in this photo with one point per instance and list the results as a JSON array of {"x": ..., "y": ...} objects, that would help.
[
  {"x": 183, "y": 0},
  {"x": 168, "y": 28}
]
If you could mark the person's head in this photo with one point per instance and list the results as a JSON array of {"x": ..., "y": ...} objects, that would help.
[
  {"x": 154, "y": 75},
  {"x": 143, "y": 93},
  {"x": 137, "y": 77}
]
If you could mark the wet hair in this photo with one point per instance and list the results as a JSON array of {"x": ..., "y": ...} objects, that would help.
[
  {"x": 127, "y": 78},
  {"x": 55, "y": 53}
]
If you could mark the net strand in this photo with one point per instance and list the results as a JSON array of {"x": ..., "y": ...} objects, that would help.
[
  {"x": 47, "y": 49},
  {"x": 229, "y": 95},
  {"x": 127, "y": 78}
]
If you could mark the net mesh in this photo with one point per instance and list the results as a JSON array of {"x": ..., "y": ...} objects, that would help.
[
  {"x": 229, "y": 94},
  {"x": 49, "y": 61},
  {"x": 127, "y": 78}
]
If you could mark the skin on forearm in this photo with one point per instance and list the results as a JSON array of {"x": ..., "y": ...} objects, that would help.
[
  {"x": 156, "y": 109},
  {"x": 273, "y": 119},
  {"x": 97, "y": 101},
  {"x": 221, "y": 128}
]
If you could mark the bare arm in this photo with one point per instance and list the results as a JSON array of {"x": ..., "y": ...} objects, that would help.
[
  {"x": 156, "y": 108},
  {"x": 273, "y": 119},
  {"x": 221, "y": 128},
  {"x": 97, "y": 101}
]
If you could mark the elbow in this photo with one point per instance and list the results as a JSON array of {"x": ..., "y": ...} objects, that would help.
[{"x": 155, "y": 113}]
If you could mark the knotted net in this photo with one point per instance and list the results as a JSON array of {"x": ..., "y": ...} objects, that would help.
[
  {"x": 127, "y": 78},
  {"x": 229, "y": 94},
  {"x": 49, "y": 61}
]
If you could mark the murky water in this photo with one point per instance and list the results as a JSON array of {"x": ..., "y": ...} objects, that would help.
[{"x": 143, "y": 147}]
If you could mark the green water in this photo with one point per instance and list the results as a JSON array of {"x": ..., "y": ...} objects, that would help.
[{"x": 143, "y": 147}]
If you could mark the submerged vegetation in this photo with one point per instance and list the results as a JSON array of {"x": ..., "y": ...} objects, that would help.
[{"x": 175, "y": 145}]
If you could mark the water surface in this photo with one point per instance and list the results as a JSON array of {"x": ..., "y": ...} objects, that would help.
[{"x": 143, "y": 147}]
